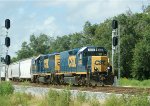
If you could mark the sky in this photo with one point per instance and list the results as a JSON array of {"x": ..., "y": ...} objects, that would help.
[{"x": 57, "y": 17}]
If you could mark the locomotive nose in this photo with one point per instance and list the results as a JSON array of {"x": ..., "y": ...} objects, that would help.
[{"x": 99, "y": 63}]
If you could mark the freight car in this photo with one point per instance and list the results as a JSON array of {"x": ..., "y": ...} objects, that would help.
[
  {"x": 82, "y": 66},
  {"x": 3, "y": 68},
  {"x": 18, "y": 71}
]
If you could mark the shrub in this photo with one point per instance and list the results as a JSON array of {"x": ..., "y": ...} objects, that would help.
[{"x": 6, "y": 88}]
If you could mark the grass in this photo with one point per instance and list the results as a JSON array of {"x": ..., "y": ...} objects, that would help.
[
  {"x": 6, "y": 88},
  {"x": 64, "y": 98},
  {"x": 56, "y": 98},
  {"x": 126, "y": 100},
  {"x": 133, "y": 82}
]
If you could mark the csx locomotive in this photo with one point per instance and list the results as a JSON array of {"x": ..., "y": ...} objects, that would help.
[{"x": 82, "y": 66}]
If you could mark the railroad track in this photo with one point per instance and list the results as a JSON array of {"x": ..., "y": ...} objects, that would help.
[{"x": 106, "y": 89}]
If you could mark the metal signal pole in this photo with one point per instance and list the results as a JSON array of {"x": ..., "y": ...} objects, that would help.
[
  {"x": 0, "y": 59},
  {"x": 7, "y": 44},
  {"x": 115, "y": 38},
  {"x": 119, "y": 52},
  {"x": 113, "y": 50},
  {"x": 1, "y": 53}
]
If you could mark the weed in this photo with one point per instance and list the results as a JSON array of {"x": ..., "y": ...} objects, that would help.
[
  {"x": 6, "y": 88},
  {"x": 128, "y": 100},
  {"x": 133, "y": 82}
]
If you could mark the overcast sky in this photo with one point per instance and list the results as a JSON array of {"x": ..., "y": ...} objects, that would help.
[{"x": 57, "y": 17}]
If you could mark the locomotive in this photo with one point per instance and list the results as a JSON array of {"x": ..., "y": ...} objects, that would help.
[{"x": 81, "y": 66}]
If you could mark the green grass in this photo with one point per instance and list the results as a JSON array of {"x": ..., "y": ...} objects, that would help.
[
  {"x": 6, "y": 88},
  {"x": 126, "y": 100},
  {"x": 133, "y": 82},
  {"x": 64, "y": 98},
  {"x": 56, "y": 98}
]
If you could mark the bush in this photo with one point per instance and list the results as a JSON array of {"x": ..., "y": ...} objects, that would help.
[{"x": 6, "y": 88}]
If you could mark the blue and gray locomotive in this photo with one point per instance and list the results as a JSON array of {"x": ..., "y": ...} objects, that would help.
[{"x": 82, "y": 66}]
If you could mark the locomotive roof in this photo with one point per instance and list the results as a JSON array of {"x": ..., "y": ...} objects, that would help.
[
  {"x": 84, "y": 48},
  {"x": 42, "y": 55}
]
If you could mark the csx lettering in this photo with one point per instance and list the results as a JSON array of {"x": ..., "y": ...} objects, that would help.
[{"x": 99, "y": 62}]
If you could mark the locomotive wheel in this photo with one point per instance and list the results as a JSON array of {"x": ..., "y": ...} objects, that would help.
[
  {"x": 37, "y": 80},
  {"x": 109, "y": 80},
  {"x": 52, "y": 79},
  {"x": 61, "y": 79}
]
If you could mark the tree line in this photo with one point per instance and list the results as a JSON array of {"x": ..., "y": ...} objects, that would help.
[{"x": 135, "y": 42}]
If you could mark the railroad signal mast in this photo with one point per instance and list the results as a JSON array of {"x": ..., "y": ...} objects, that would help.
[
  {"x": 116, "y": 44},
  {"x": 7, "y": 43},
  {"x": 7, "y": 58}
]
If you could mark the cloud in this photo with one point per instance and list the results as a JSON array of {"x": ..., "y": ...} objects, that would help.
[
  {"x": 48, "y": 26},
  {"x": 68, "y": 3},
  {"x": 21, "y": 11},
  {"x": 58, "y": 17}
]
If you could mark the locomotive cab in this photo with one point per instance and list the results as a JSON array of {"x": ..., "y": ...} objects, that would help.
[
  {"x": 93, "y": 58},
  {"x": 96, "y": 63}
]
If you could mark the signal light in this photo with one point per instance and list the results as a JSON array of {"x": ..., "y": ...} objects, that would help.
[
  {"x": 114, "y": 24},
  {"x": 7, "y": 59},
  {"x": 7, "y": 23},
  {"x": 2, "y": 60},
  {"x": 7, "y": 41},
  {"x": 115, "y": 41}
]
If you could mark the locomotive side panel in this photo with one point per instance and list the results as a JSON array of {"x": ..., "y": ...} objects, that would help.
[
  {"x": 52, "y": 63},
  {"x": 68, "y": 61},
  {"x": 57, "y": 63}
]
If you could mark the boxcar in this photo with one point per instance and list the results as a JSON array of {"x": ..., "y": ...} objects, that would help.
[
  {"x": 3, "y": 68},
  {"x": 25, "y": 68},
  {"x": 15, "y": 70}
]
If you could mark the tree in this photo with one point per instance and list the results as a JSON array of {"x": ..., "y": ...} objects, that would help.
[
  {"x": 141, "y": 59},
  {"x": 61, "y": 44},
  {"x": 89, "y": 33},
  {"x": 25, "y": 51},
  {"x": 40, "y": 44}
]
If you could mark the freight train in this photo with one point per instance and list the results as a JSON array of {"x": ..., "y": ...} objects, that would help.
[{"x": 82, "y": 66}]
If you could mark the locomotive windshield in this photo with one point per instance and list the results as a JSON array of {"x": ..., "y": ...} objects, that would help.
[{"x": 94, "y": 54}]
